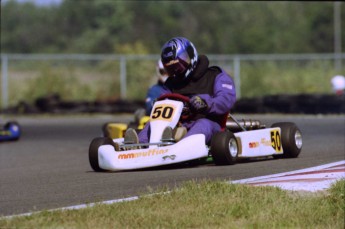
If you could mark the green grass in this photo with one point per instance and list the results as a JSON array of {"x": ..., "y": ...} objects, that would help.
[
  {"x": 286, "y": 77},
  {"x": 204, "y": 204}
]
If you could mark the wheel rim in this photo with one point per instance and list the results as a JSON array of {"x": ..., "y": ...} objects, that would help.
[
  {"x": 233, "y": 147},
  {"x": 298, "y": 139}
]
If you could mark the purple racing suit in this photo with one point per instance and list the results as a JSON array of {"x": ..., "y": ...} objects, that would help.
[{"x": 219, "y": 102}]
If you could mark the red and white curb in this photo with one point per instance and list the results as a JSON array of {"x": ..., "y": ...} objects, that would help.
[{"x": 311, "y": 179}]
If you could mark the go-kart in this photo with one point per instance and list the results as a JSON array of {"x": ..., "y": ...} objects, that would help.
[
  {"x": 117, "y": 130},
  {"x": 11, "y": 131},
  {"x": 238, "y": 139}
]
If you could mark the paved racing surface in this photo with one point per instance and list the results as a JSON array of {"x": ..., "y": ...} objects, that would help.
[{"x": 48, "y": 167}]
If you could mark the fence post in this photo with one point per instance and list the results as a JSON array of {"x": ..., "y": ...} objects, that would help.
[
  {"x": 237, "y": 75},
  {"x": 123, "y": 73},
  {"x": 337, "y": 35},
  {"x": 4, "y": 81}
]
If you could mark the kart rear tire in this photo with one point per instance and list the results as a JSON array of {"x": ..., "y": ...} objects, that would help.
[
  {"x": 291, "y": 138},
  {"x": 139, "y": 114},
  {"x": 93, "y": 152},
  {"x": 224, "y": 148},
  {"x": 105, "y": 131}
]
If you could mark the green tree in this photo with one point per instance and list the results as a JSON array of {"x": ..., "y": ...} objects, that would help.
[
  {"x": 94, "y": 26},
  {"x": 217, "y": 27},
  {"x": 26, "y": 28}
]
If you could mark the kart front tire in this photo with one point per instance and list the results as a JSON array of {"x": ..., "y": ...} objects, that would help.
[
  {"x": 93, "y": 152},
  {"x": 224, "y": 148},
  {"x": 291, "y": 138}
]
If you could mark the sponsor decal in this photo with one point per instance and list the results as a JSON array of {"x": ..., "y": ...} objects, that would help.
[
  {"x": 265, "y": 142},
  {"x": 168, "y": 54},
  {"x": 254, "y": 144},
  {"x": 171, "y": 157},
  {"x": 150, "y": 153},
  {"x": 228, "y": 86}
]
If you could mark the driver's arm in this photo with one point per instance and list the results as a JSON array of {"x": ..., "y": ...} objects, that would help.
[{"x": 224, "y": 95}]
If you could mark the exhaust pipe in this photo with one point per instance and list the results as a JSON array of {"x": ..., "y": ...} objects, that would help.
[{"x": 244, "y": 125}]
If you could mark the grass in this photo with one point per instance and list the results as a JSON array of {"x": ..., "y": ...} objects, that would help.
[
  {"x": 204, "y": 204},
  {"x": 286, "y": 77}
]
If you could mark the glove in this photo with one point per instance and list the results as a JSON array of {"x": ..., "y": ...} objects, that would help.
[{"x": 198, "y": 105}]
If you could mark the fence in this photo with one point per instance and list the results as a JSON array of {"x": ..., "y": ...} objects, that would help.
[{"x": 82, "y": 76}]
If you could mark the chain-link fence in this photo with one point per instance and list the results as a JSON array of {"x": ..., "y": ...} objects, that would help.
[{"x": 25, "y": 77}]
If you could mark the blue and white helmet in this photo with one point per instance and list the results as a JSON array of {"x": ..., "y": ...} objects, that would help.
[{"x": 179, "y": 57}]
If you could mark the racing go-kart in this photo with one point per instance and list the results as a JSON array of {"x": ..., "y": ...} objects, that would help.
[
  {"x": 11, "y": 131},
  {"x": 238, "y": 139},
  {"x": 117, "y": 130}
]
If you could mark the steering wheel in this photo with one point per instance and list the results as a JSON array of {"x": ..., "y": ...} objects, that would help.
[{"x": 186, "y": 112}]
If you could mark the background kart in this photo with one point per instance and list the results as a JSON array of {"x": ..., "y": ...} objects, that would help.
[
  {"x": 117, "y": 130},
  {"x": 11, "y": 131},
  {"x": 238, "y": 139}
]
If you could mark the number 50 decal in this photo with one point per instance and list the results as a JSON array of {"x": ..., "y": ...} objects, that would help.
[
  {"x": 163, "y": 112},
  {"x": 276, "y": 141}
]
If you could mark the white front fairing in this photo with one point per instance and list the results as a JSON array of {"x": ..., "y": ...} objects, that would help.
[
  {"x": 192, "y": 147},
  {"x": 257, "y": 143},
  {"x": 164, "y": 113}
]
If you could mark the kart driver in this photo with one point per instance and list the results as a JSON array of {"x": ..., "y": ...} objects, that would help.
[
  {"x": 338, "y": 85},
  {"x": 156, "y": 90},
  {"x": 210, "y": 89}
]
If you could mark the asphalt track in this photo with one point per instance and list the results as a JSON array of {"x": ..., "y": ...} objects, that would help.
[{"x": 48, "y": 167}]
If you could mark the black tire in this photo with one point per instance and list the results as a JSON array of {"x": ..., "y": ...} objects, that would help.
[
  {"x": 291, "y": 138},
  {"x": 105, "y": 131},
  {"x": 224, "y": 148},
  {"x": 138, "y": 114},
  {"x": 93, "y": 152}
]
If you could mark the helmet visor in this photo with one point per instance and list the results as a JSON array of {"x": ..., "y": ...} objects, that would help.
[
  {"x": 176, "y": 69},
  {"x": 179, "y": 66}
]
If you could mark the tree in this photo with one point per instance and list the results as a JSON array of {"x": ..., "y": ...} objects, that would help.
[{"x": 217, "y": 27}]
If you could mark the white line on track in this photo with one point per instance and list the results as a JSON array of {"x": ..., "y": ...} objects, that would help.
[
  {"x": 311, "y": 179},
  {"x": 76, "y": 207}
]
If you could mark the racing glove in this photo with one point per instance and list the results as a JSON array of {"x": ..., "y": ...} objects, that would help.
[{"x": 198, "y": 105}]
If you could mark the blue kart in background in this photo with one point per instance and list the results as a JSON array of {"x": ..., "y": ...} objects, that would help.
[{"x": 11, "y": 131}]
